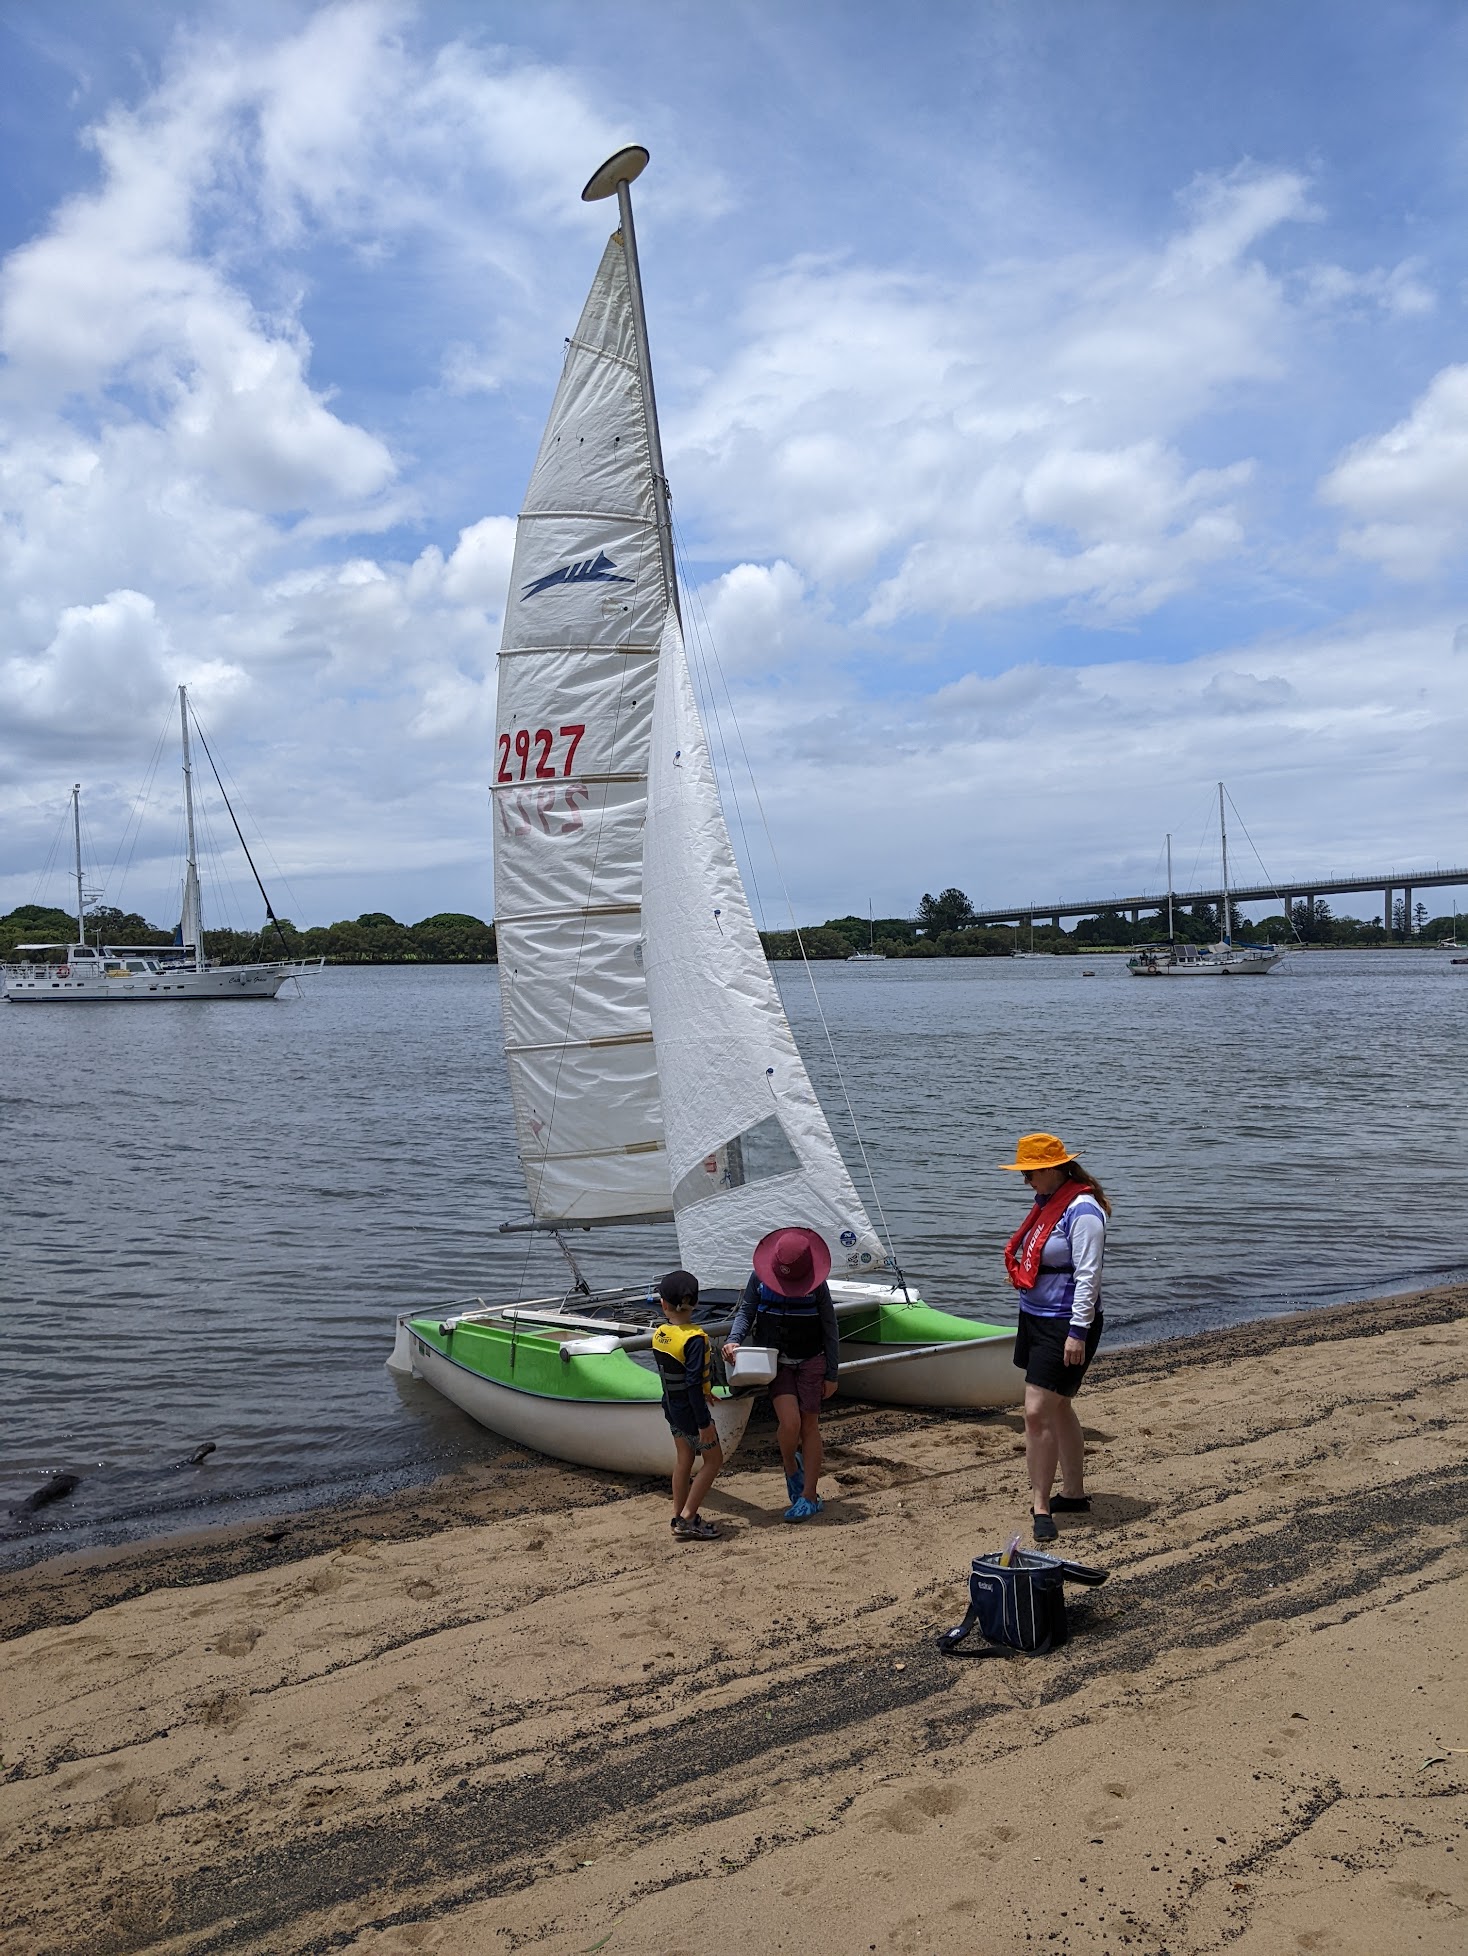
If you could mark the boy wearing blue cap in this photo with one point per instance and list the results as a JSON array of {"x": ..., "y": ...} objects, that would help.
[{"x": 681, "y": 1349}]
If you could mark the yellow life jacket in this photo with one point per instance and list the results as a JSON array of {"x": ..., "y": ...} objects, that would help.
[{"x": 669, "y": 1344}]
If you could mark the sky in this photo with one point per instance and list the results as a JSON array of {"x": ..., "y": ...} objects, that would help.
[{"x": 1065, "y": 407}]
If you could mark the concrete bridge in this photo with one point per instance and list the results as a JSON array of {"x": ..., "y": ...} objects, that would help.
[{"x": 1388, "y": 884}]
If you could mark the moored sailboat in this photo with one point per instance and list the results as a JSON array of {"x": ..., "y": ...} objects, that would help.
[
  {"x": 80, "y": 973},
  {"x": 654, "y": 1076},
  {"x": 1224, "y": 959}
]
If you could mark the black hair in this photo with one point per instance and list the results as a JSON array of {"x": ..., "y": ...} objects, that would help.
[{"x": 679, "y": 1288}]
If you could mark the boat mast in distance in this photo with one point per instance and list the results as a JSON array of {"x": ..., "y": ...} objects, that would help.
[
  {"x": 76, "y": 827},
  {"x": 191, "y": 915}
]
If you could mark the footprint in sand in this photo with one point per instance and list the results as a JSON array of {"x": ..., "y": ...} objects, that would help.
[
  {"x": 421, "y": 1591},
  {"x": 224, "y": 1710},
  {"x": 918, "y": 1809},
  {"x": 1105, "y": 1819},
  {"x": 131, "y": 1806},
  {"x": 239, "y": 1639}
]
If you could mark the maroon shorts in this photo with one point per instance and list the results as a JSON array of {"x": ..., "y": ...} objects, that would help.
[{"x": 806, "y": 1381}]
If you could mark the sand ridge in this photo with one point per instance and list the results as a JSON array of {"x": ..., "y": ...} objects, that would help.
[{"x": 551, "y": 1727}]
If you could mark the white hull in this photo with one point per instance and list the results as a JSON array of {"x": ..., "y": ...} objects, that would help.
[
  {"x": 1235, "y": 964},
  {"x": 28, "y": 985},
  {"x": 620, "y": 1438},
  {"x": 981, "y": 1374}
]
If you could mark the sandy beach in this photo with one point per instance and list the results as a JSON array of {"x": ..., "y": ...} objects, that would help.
[{"x": 509, "y": 1712}]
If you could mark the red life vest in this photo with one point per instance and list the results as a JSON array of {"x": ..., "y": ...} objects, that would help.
[{"x": 1023, "y": 1264}]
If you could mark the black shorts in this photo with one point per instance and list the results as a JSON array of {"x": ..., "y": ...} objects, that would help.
[
  {"x": 684, "y": 1422},
  {"x": 1039, "y": 1347}
]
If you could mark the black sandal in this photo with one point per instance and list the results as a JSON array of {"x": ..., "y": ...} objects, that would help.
[
  {"x": 693, "y": 1528},
  {"x": 1044, "y": 1528},
  {"x": 1070, "y": 1504}
]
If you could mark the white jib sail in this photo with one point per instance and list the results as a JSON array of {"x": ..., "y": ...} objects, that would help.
[
  {"x": 749, "y": 1149},
  {"x": 577, "y": 668}
]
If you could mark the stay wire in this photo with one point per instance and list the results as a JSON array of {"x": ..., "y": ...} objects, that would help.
[
  {"x": 132, "y": 828},
  {"x": 265, "y": 896},
  {"x": 224, "y": 775},
  {"x": 1289, "y": 913}
]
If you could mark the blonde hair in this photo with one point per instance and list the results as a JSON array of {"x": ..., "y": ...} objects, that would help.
[{"x": 1075, "y": 1173}]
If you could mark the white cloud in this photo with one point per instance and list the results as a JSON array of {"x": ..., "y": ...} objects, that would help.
[
  {"x": 1012, "y": 442},
  {"x": 478, "y": 572},
  {"x": 1408, "y": 489},
  {"x": 106, "y": 663},
  {"x": 287, "y": 324},
  {"x": 757, "y": 616},
  {"x": 1402, "y": 292},
  {"x": 1044, "y": 782}
]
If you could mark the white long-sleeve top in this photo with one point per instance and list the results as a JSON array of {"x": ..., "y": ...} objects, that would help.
[{"x": 1069, "y": 1283}]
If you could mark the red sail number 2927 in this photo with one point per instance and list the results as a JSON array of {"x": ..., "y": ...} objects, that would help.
[{"x": 541, "y": 744}]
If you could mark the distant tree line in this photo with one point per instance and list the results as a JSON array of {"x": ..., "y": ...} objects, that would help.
[
  {"x": 943, "y": 926},
  {"x": 447, "y": 938}
]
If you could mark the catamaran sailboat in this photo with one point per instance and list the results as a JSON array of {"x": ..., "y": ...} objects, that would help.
[
  {"x": 1224, "y": 959},
  {"x": 653, "y": 1073},
  {"x": 131, "y": 974}
]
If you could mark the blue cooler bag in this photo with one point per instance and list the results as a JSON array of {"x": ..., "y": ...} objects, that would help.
[{"x": 1019, "y": 1605}]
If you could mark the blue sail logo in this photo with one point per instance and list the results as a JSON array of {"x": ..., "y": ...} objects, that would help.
[{"x": 591, "y": 570}]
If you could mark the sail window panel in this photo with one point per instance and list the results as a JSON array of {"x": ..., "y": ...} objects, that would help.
[
  {"x": 758, "y": 1154},
  {"x": 572, "y": 980},
  {"x": 585, "y": 577},
  {"x": 583, "y": 713},
  {"x": 567, "y": 849}
]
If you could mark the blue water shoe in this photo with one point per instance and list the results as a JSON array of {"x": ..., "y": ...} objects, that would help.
[{"x": 802, "y": 1510}]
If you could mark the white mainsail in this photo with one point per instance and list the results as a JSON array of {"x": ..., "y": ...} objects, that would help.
[
  {"x": 577, "y": 666},
  {"x": 749, "y": 1149}
]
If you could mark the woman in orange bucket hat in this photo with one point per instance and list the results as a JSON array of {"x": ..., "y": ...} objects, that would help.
[{"x": 1054, "y": 1261}]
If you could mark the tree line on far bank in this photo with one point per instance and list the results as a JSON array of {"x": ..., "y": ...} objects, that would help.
[
  {"x": 449, "y": 937},
  {"x": 943, "y": 927}
]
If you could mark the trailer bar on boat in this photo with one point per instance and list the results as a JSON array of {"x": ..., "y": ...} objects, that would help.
[{"x": 920, "y": 1351}]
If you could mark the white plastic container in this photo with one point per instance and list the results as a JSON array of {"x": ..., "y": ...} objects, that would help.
[{"x": 753, "y": 1365}]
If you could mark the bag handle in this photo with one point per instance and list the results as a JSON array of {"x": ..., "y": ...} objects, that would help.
[{"x": 1080, "y": 1572}]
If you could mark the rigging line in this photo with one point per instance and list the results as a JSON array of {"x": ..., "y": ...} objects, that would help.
[
  {"x": 139, "y": 804},
  {"x": 884, "y": 1230},
  {"x": 270, "y": 914},
  {"x": 262, "y": 841},
  {"x": 48, "y": 867},
  {"x": 1289, "y": 913},
  {"x": 1202, "y": 844},
  {"x": 221, "y": 884}
]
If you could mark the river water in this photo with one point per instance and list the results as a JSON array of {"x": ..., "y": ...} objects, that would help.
[{"x": 213, "y": 1212}]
